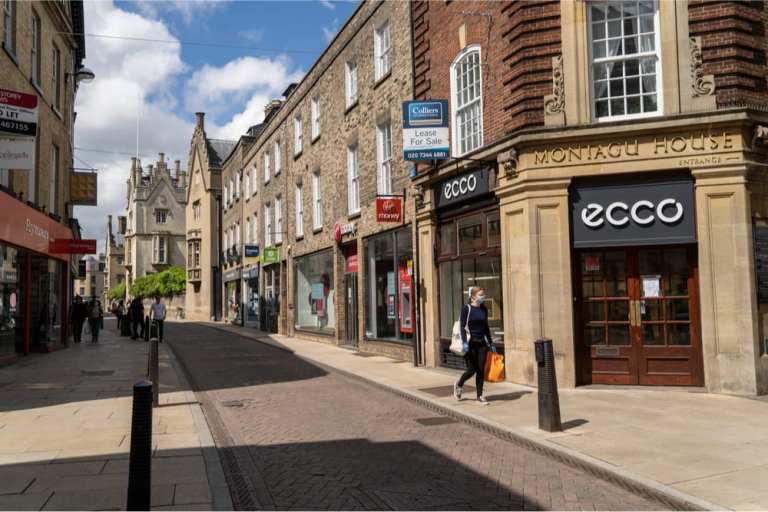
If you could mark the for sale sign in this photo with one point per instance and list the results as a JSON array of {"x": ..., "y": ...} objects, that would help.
[
  {"x": 425, "y": 130},
  {"x": 18, "y": 112}
]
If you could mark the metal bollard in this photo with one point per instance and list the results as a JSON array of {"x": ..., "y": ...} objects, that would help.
[
  {"x": 140, "y": 461},
  {"x": 154, "y": 369},
  {"x": 146, "y": 328},
  {"x": 549, "y": 402}
]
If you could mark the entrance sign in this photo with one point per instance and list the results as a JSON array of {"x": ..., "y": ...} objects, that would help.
[
  {"x": 621, "y": 213},
  {"x": 389, "y": 209},
  {"x": 18, "y": 112},
  {"x": 17, "y": 153},
  {"x": 462, "y": 187},
  {"x": 425, "y": 130}
]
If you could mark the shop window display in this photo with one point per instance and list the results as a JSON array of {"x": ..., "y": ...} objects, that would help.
[
  {"x": 10, "y": 309},
  {"x": 315, "y": 295},
  {"x": 389, "y": 286}
]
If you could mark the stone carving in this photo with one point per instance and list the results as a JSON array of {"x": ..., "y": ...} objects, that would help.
[
  {"x": 703, "y": 85},
  {"x": 508, "y": 161},
  {"x": 555, "y": 102},
  {"x": 759, "y": 135}
]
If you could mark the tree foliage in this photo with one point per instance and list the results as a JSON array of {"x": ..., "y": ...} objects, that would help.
[
  {"x": 117, "y": 293},
  {"x": 165, "y": 284}
]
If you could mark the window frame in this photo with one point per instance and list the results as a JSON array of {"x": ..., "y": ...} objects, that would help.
[
  {"x": 53, "y": 180},
  {"x": 161, "y": 213},
  {"x": 56, "y": 79},
  {"x": 488, "y": 249},
  {"x": 635, "y": 56},
  {"x": 255, "y": 178},
  {"x": 317, "y": 201},
  {"x": 455, "y": 141},
  {"x": 384, "y": 131},
  {"x": 35, "y": 49},
  {"x": 267, "y": 172},
  {"x": 315, "y": 118},
  {"x": 298, "y": 138},
  {"x": 299, "y": 213},
  {"x": 158, "y": 241},
  {"x": 278, "y": 158},
  {"x": 247, "y": 186},
  {"x": 350, "y": 80},
  {"x": 381, "y": 55},
  {"x": 278, "y": 219},
  {"x": 10, "y": 15},
  {"x": 353, "y": 180},
  {"x": 267, "y": 224}
]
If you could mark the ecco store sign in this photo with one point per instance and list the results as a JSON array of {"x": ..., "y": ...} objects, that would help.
[
  {"x": 462, "y": 187},
  {"x": 633, "y": 213}
]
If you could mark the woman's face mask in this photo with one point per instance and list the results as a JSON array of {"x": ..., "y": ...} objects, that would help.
[{"x": 480, "y": 299}]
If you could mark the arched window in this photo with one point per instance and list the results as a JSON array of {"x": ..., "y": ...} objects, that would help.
[{"x": 467, "y": 101}]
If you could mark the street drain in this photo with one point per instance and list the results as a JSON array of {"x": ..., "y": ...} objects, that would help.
[
  {"x": 97, "y": 373},
  {"x": 232, "y": 403},
  {"x": 439, "y": 420}
]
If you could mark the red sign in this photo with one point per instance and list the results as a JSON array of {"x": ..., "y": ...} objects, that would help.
[
  {"x": 72, "y": 246},
  {"x": 592, "y": 263},
  {"x": 18, "y": 99},
  {"x": 389, "y": 209},
  {"x": 337, "y": 232},
  {"x": 26, "y": 227}
]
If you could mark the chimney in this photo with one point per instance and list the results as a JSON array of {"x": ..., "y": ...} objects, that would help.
[
  {"x": 133, "y": 163},
  {"x": 109, "y": 228},
  {"x": 288, "y": 90},
  {"x": 200, "y": 120},
  {"x": 178, "y": 166},
  {"x": 271, "y": 108},
  {"x": 162, "y": 158}
]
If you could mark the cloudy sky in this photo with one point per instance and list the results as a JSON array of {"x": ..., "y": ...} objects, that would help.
[{"x": 160, "y": 62}]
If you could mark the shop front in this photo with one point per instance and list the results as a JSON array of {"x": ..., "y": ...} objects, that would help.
[
  {"x": 233, "y": 296},
  {"x": 251, "y": 295},
  {"x": 269, "y": 314},
  {"x": 34, "y": 280},
  {"x": 468, "y": 253},
  {"x": 314, "y": 293}
]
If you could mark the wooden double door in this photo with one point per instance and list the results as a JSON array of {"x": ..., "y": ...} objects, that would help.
[{"x": 638, "y": 316}]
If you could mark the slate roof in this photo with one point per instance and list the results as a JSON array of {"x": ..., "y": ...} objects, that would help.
[{"x": 219, "y": 150}]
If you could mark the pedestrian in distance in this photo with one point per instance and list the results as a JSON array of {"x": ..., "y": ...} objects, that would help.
[
  {"x": 78, "y": 315},
  {"x": 476, "y": 337},
  {"x": 95, "y": 319},
  {"x": 157, "y": 315},
  {"x": 120, "y": 314},
  {"x": 137, "y": 318}
]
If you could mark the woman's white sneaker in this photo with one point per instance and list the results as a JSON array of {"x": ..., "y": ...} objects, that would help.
[
  {"x": 456, "y": 390},
  {"x": 483, "y": 401}
]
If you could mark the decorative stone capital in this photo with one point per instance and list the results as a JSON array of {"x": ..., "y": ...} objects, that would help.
[
  {"x": 508, "y": 163},
  {"x": 703, "y": 85},
  {"x": 554, "y": 104}
]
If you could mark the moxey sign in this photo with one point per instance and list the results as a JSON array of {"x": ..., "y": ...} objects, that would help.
[
  {"x": 425, "y": 130},
  {"x": 651, "y": 212}
]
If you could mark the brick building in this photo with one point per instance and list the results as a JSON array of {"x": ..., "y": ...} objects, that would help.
[
  {"x": 324, "y": 152},
  {"x": 204, "y": 224},
  {"x": 616, "y": 153},
  {"x": 41, "y": 67}
]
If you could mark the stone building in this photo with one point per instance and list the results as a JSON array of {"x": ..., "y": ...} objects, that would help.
[
  {"x": 41, "y": 67},
  {"x": 92, "y": 284},
  {"x": 114, "y": 259},
  {"x": 155, "y": 237},
  {"x": 329, "y": 270},
  {"x": 235, "y": 231},
  {"x": 204, "y": 222},
  {"x": 617, "y": 154}
]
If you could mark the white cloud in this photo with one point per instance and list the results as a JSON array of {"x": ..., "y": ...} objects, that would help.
[
  {"x": 330, "y": 32},
  {"x": 328, "y": 4},
  {"x": 254, "y": 35},
  {"x": 189, "y": 10}
]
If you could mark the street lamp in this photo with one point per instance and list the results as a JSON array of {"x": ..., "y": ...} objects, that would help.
[{"x": 82, "y": 75}]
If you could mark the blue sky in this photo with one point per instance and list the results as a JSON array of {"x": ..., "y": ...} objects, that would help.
[{"x": 163, "y": 84}]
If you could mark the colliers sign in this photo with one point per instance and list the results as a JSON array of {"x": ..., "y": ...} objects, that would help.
[
  {"x": 462, "y": 187},
  {"x": 650, "y": 212}
]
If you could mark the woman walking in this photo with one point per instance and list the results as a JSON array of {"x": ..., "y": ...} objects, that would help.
[{"x": 473, "y": 324}]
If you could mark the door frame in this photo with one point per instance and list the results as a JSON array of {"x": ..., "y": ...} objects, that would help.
[{"x": 583, "y": 353}]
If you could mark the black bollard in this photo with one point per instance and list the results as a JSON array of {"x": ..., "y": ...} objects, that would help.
[
  {"x": 140, "y": 461},
  {"x": 154, "y": 371},
  {"x": 549, "y": 402},
  {"x": 146, "y": 328}
]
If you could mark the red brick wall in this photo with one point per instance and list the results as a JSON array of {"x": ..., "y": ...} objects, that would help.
[{"x": 733, "y": 48}]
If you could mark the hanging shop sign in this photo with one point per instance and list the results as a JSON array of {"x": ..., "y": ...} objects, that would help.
[
  {"x": 17, "y": 153},
  {"x": 18, "y": 112},
  {"x": 251, "y": 273},
  {"x": 425, "y": 130},
  {"x": 232, "y": 275},
  {"x": 463, "y": 187},
  {"x": 270, "y": 255},
  {"x": 389, "y": 209},
  {"x": 339, "y": 230},
  {"x": 251, "y": 251},
  {"x": 633, "y": 213},
  {"x": 72, "y": 246},
  {"x": 83, "y": 188}
]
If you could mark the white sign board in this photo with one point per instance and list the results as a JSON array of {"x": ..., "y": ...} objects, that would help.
[
  {"x": 17, "y": 153},
  {"x": 425, "y": 130},
  {"x": 18, "y": 112}
]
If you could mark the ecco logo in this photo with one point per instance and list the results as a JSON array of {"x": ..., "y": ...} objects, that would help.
[
  {"x": 460, "y": 186},
  {"x": 642, "y": 212}
]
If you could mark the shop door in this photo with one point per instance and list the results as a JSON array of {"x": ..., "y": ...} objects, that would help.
[
  {"x": 350, "y": 309},
  {"x": 638, "y": 316}
]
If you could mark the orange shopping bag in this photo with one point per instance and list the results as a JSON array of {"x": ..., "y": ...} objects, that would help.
[{"x": 494, "y": 367}]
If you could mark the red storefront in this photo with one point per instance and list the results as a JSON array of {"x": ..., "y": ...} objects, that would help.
[{"x": 34, "y": 281}]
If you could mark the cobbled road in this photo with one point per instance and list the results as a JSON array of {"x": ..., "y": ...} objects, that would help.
[{"x": 293, "y": 435}]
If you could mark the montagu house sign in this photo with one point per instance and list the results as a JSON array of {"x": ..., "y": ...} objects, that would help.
[{"x": 692, "y": 144}]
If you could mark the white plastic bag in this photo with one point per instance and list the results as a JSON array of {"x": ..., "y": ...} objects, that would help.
[{"x": 457, "y": 345}]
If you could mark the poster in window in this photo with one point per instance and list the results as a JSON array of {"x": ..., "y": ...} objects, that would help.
[
  {"x": 391, "y": 306},
  {"x": 320, "y": 308},
  {"x": 391, "y": 289},
  {"x": 317, "y": 291},
  {"x": 592, "y": 263},
  {"x": 651, "y": 286}
]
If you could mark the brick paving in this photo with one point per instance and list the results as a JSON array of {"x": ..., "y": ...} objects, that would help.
[{"x": 308, "y": 438}]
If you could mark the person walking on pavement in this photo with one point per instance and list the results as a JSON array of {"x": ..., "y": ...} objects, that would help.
[
  {"x": 120, "y": 314},
  {"x": 95, "y": 319},
  {"x": 157, "y": 314},
  {"x": 137, "y": 317},
  {"x": 78, "y": 314},
  {"x": 474, "y": 325}
]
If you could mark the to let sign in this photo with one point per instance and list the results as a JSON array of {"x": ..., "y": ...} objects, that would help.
[
  {"x": 18, "y": 112},
  {"x": 389, "y": 209},
  {"x": 425, "y": 130}
]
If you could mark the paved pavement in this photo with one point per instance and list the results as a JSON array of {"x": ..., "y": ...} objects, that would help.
[
  {"x": 296, "y": 435},
  {"x": 704, "y": 449},
  {"x": 65, "y": 421}
]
